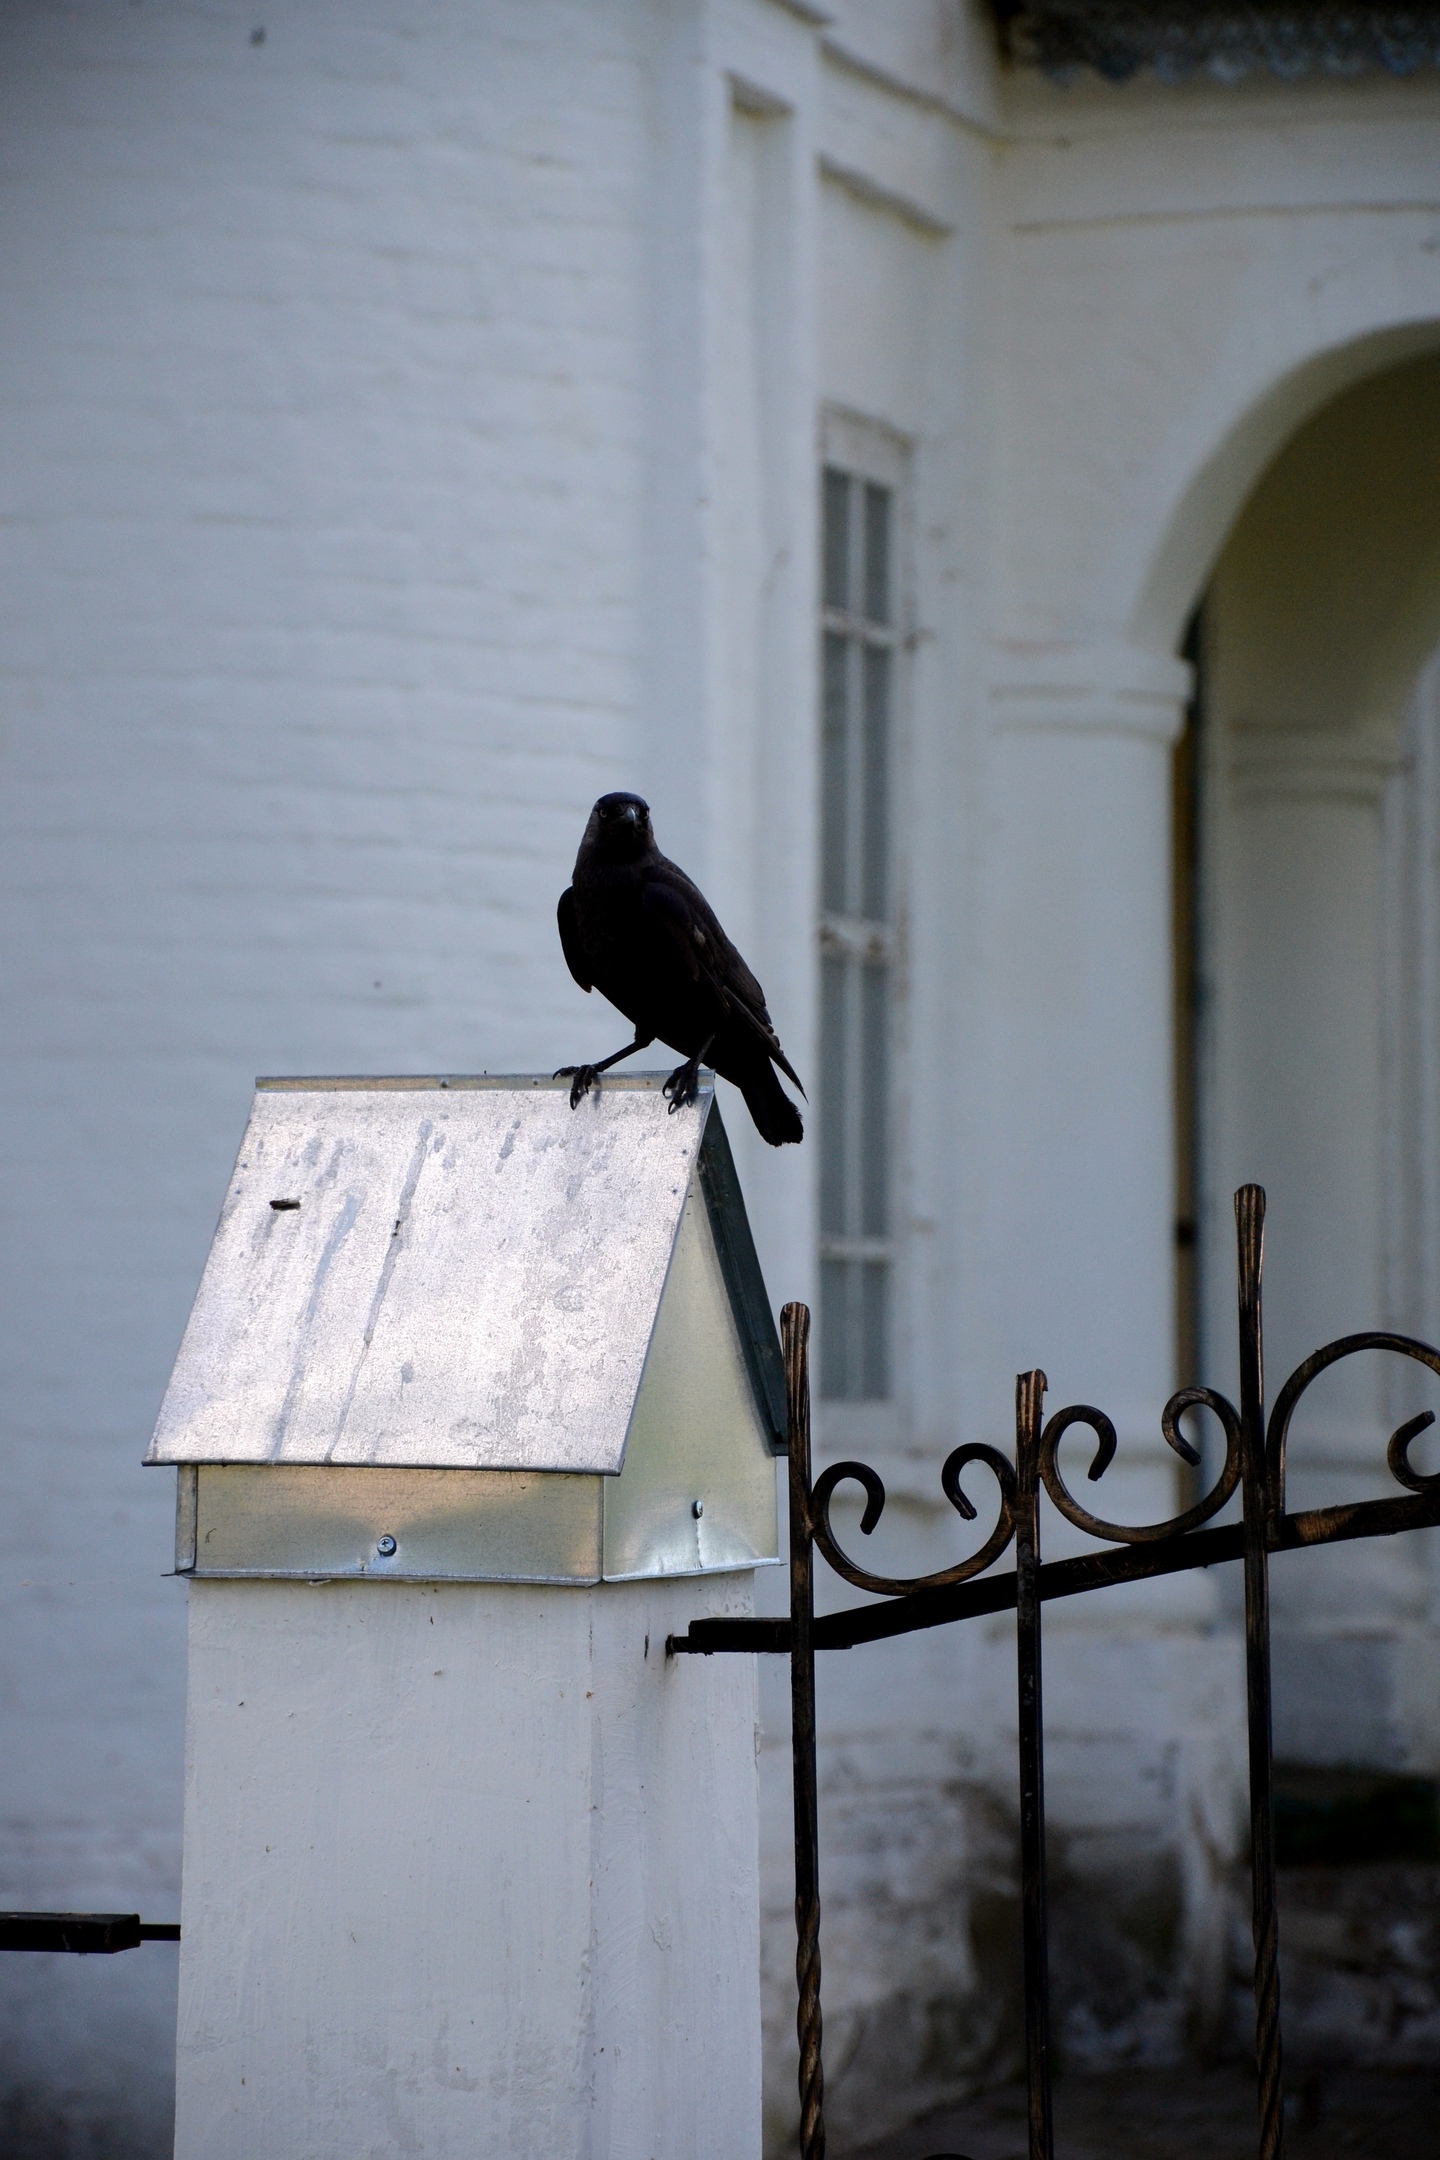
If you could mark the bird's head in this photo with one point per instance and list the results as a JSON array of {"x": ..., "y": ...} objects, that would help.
[{"x": 619, "y": 828}]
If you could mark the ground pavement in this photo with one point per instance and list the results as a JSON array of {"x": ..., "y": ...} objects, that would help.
[{"x": 1190, "y": 2115}]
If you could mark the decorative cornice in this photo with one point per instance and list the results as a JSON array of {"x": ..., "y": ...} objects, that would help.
[
  {"x": 759, "y": 103},
  {"x": 876, "y": 196},
  {"x": 808, "y": 12},
  {"x": 1089, "y": 690},
  {"x": 1279, "y": 764},
  {"x": 870, "y": 72}
]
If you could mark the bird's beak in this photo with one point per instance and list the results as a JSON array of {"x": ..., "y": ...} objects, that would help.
[{"x": 630, "y": 814}]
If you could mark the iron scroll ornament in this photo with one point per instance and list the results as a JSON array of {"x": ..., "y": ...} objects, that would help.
[
  {"x": 1397, "y": 1448},
  {"x": 1252, "y": 1471},
  {"x": 1227, "y": 1481},
  {"x": 1190, "y": 1398},
  {"x": 1001, "y": 1536},
  {"x": 1254, "y": 1461},
  {"x": 823, "y": 1491}
]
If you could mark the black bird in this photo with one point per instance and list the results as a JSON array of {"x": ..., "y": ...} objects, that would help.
[{"x": 634, "y": 926}]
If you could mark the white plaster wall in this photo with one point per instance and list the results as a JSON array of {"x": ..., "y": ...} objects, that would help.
[
  {"x": 1169, "y": 283},
  {"x": 1262, "y": 247},
  {"x": 1187, "y": 277},
  {"x": 1187, "y": 273},
  {"x": 1035, "y": 1217}
]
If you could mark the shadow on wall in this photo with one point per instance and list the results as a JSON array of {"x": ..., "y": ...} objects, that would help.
[
  {"x": 1360, "y": 1944},
  {"x": 101, "y": 2031},
  {"x": 1123, "y": 1971},
  {"x": 931, "y": 1892}
]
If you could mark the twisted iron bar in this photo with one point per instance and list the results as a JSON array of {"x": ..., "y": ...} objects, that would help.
[
  {"x": 1255, "y": 1458},
  {"x": 1030, "y": 1734},
  {"x": 1254, "y": 1464},
  {"x": 1249, "y": 1257},
  {"x": 795, "y": 1343}
]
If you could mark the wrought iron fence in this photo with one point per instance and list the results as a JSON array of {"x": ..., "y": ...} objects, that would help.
[{"x": 1253, "y": 1465}]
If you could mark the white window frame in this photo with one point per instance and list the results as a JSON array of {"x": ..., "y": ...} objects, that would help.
[{"x": 868, "y": 450}]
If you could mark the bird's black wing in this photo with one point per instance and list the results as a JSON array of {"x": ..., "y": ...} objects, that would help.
[
  {"x": 679, "y": 910},
  {"x": 570, "y": 938}
]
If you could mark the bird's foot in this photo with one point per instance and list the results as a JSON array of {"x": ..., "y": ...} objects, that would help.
[
  {"x": 683, "y": 1085},
  {"x": 581, "y": 1077}
]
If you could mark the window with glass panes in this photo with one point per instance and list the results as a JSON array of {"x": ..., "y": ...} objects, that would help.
[{"x": 858, "y": 666}]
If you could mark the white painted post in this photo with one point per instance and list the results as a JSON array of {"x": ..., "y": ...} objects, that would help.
[
  {"x": 471, "y": 1872},
  {"x": 477, "y": 1406}
]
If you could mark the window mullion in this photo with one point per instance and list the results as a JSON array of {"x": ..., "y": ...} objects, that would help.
[{"x": 856, "y": 949}]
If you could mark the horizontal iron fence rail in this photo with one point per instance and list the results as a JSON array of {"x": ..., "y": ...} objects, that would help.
[
  {"x": 1253, "y": 1467},
  {"x": 85, "y": 1934},
  {"x": 856, "y": 1624}
]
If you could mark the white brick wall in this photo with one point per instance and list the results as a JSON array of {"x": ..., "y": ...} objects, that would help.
[{"x": 319, "y": 435}]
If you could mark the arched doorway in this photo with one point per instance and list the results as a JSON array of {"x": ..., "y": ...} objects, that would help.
[{"x": 1317, "y": 1031}]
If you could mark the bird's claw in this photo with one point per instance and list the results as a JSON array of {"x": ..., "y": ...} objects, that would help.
[
  {"x": 683, "y": 1086},
  {"x": 581, "y": 1077}
]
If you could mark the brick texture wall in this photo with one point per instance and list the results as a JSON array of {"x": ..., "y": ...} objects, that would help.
[{"x": 319, "y": 423}]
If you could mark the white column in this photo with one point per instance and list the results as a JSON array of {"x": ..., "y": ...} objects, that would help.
[
  {"x": 470, "y": 1873},
  {"x": 1298, "y": 955},
  {"x": 1304, "y": 1103},
  {"x": 1080, "y": 1184},
  {"x": 1145, "y": 1696}
]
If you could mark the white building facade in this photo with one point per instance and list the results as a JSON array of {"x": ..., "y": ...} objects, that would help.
[{"x": 411, "y": 425}]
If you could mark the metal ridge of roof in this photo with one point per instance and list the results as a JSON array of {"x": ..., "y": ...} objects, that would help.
[{"x": 303, "y": 1083}]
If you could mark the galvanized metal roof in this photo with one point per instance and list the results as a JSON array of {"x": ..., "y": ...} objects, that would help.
[{"x": 449, "y": 1273}]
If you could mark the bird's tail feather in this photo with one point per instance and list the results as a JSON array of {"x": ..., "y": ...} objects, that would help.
[{"x": 776, "y": 1117}]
